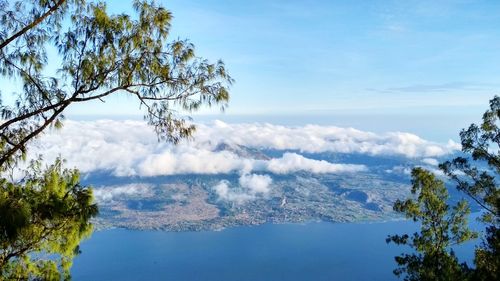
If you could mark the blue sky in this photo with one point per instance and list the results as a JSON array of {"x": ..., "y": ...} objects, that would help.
[
  {"x": 346, "y": 56},
  {"x": 301, "y": 57}
]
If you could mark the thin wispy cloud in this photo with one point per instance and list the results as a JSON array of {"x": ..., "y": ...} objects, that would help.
[{"x": 439, "y": 88}]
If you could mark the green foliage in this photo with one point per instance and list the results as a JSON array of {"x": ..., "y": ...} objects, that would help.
[
  {"x": 44, "y": 218},
  {"x": 99, "y": 55},
  {"x": 487, "y": 257},
  {"x": 476, "y": 175},
  {"x": 441, "y": 227}
]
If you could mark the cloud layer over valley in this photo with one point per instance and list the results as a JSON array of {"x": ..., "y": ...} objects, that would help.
[{"x": 130, "y": 148}]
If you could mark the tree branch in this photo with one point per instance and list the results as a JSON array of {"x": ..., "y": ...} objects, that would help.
[
  {"x": 31, "y": 25},
  {"x": 6, "y": 156}
]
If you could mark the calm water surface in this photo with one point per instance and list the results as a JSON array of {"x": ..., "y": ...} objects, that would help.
[{"x": 313, "y": 251}]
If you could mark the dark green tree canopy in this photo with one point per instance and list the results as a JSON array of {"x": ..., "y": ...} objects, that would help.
[
  {"x": 45, "y": 215},
  {"x": 476, "y": 174},
  {"x": 442, "y": 226},
  {"x": 98, "y": 55}
]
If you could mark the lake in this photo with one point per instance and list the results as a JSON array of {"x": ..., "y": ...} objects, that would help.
[{"x": 312, "y": 251}]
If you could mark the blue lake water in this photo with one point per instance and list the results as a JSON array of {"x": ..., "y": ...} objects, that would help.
[{"x": 313, "y": 251}]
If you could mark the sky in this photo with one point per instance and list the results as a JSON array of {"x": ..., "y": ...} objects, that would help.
[
  {"x": 345, "y": 63},
  {"x": 356, "y": 57}
]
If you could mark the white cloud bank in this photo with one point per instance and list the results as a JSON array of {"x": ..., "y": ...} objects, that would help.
[
  {"x": 110, "y": 193},
  {"x": 430, "y": 161},
  {"x": 251, "y": 186},
  {"x": 131, "y": 148},
  {"x": 256, "y": 183},
  {"x": 292, "y": 162},
  {"x": 315, "y": 138}
]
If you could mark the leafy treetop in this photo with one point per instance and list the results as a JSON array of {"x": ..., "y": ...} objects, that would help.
[
  {"x": 43, "y": 221},
  {"x": 441, "y": 227},
  {"x": 476, "y": 173},
  {"x": 98, "y": 55}
]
